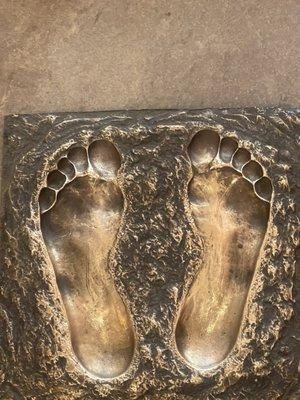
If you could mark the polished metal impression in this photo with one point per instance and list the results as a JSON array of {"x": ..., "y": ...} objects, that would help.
[
  {"x": 231, "y": 218},
  {"x": 81, "y": 210}
]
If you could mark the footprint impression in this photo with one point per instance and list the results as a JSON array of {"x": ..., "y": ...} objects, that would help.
[
  {"x": 81, "y": 210},
  {"x": 230, "y": 203}
]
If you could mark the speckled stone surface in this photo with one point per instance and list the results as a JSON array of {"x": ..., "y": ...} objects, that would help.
[{"x": 155, "y": 258}]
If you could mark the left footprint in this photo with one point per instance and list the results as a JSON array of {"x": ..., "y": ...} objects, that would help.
[{"x": 81, "y": 210}]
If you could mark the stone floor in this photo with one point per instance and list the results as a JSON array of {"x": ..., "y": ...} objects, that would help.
[{"x": 63, "y": 55}]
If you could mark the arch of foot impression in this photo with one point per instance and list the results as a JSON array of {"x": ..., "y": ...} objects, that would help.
[
  {"x": 229, "y": 197},
  {"x": 81, "y": 210}
]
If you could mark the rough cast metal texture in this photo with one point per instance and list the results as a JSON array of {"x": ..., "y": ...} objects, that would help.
[{"x": 156, "y": 257}]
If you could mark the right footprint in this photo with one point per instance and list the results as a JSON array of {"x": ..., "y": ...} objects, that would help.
[{"x": 230, "y": 202}]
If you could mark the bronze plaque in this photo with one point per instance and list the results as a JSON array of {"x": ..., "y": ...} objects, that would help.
[{"x": 149, "y": 255}]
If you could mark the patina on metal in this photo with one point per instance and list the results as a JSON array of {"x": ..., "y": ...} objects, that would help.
[{"x": 149, "y": 255}]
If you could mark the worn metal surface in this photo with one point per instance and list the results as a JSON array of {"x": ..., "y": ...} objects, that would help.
[{"x": 148, "y": 170}]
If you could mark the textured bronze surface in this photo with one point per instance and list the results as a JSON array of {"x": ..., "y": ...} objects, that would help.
[{"x": 150, "y": 255}]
